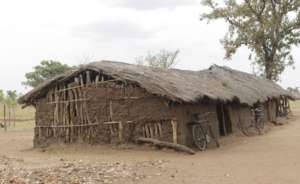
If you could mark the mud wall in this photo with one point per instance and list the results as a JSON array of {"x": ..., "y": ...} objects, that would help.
[
  {"x": 241, "y": 114},
  {"x": 143, "y": 109},
  {"x": 141, "y": 114},
  {"x": 272, "y": 110},
  {"x": 184, "y": 112}
]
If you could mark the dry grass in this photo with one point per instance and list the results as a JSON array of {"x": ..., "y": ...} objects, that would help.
[
  {"x": 27, "y": 113},
  {"x": 295, "y": 105},
  {"x": 19, "y": 126}
]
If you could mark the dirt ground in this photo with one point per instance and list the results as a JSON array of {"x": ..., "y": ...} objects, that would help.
[{"x": 272, "y": 158}]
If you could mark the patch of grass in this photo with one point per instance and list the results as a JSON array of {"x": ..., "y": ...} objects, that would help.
[
  {"x": 27, "y": 113},
  {"x": 19, "y": 126},
  {"x": 295, "y": 104}
]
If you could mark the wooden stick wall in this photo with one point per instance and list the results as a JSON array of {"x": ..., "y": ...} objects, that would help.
[{"x": 71, "y": 117}]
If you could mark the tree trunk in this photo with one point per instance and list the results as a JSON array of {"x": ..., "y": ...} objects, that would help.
[{"x": 268, "y": 69}]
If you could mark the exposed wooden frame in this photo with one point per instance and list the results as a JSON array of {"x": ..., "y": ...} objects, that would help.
[{"x": 174, "y": 130}]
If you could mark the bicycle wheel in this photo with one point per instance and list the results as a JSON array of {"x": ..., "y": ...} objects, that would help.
[{"x": 199, "y": 137}]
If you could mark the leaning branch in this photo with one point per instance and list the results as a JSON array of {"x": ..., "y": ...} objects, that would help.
[{"x": 159, "y": 143}]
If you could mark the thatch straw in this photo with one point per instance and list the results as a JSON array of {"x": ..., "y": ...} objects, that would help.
[{"x": 216, "y": 83}]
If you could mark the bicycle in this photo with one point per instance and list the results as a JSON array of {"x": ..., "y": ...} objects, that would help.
[{"x": 202, "y": 131}]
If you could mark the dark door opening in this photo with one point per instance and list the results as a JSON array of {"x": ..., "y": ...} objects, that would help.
[{"x": 225, "y": 125}]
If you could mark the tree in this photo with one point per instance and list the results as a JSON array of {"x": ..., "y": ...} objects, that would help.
[
  {"x": 44, "y": 71},
  {"x": 294, "y": 91},
  {"x": 268, "y": 28},
  {"x": 164, "y": 59},
  {"x": 2, "y": 96}
]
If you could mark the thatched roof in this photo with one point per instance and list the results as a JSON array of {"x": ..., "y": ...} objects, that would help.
[{"x": 216, "y": 83}]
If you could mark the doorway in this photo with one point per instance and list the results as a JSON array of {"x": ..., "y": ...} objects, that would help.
[{"x": 225, "y": 125}]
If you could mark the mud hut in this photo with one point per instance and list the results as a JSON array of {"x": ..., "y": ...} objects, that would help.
[{"x": 112, "y": 102}]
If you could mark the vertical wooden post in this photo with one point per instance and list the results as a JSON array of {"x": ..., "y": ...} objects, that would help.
[
  {"x": 111, "y": 116},
  {"x": 97, "y": 80},
  {"x": 120, "y": 132},
  {"x": 9, "y": 116},
  {"x": 110, "y": 110},
  {"x": 88, "y": 78},
  {"x": 81, "y": 81},
  {"x": 174, "y": 128},
  {"x": 4, "y": 117},
  {"x": 159, "y": 129},
  {"x": 224, "y": 121},
  {"x": 151, "y": 130},
  {"x": 147, "y": 133}
]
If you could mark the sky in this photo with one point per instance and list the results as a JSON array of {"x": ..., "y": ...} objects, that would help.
[{"x": 80, "y": 31}]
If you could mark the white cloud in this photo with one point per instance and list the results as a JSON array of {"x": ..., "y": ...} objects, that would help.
[
  {"x": 153, "y": 4},
  {"x": 114, "y": 30},
  {"x": 68, "y": 30}
]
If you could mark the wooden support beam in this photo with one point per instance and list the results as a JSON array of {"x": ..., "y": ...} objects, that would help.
[
  {"x": 224, "y": 121},
  {"x": 68, "y": 101},
  {"x": 4, "y": 117},
  {"x": 160, "y": 129},
  {"x": 174, "y": 130},
  {"x": 156, "y": 131},
  {"x": 147, "y": 131},
  {"x": 88, "y": 77},
  {"x": 120, "y": 132},
  {"x": 111, "y": 122},
  {"x": 151, "y": 130},
  {"x": 81, "y": 81},
  {"x": 111, "y": 110},
  {"x": 127, "y": 98},
  {"x": 157, "y": 143},
  {"x": 68, "y": 126},
  {"x": 97, "y": 80}
]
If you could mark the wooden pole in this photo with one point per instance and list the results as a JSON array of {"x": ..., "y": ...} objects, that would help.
[
  {"x": 4, "y": 117},
  {"x": 9, "y": 116},
  {"x": 88, "y": 78},
  {"x": 111, "y": 117},
  {"x": 97, "y": 80},
  {"x": 159, "y": 129},
  {"x": 174, "y": 128},
  {"x": 110, "y": 110},
  {"x": 163, "y": 144},
  {"x": 120, "y": 132},
  {"x": 223, "y": 122}
]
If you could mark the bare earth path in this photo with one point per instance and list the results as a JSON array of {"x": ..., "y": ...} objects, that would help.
[{"x": 273, "y": 158}]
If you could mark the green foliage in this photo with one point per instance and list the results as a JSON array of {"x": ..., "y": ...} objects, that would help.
[
  {"x": 2, "y": 96},
  {"x": 164, "y": 59},
  {"x": 269, "y": 28},
  {"x": 46, "y": 70},
  {"x": 9, "y": 98}
]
